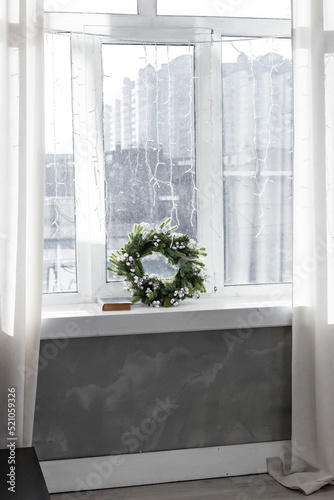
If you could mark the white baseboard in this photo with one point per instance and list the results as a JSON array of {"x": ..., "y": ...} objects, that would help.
[{"x": 95, "y": 473}]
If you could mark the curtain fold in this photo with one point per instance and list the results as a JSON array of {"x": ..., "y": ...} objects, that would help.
[
  {"x": 21, "y": 209},
  {"x": 312, "y": 461}
]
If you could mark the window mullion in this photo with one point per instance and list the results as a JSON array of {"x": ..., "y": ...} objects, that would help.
[
  {"x": 78, "y": 22},
  {"x": 94, "y": 78},
  {"x": 209, "y": 158},
  {"x": 147, "y": 8}
]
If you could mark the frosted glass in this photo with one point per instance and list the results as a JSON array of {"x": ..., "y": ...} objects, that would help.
[
  {"x": 229, "y": 8},
  {"x": 257, "y": 161},
  {"x": 59, "y": 271},
  {"x": 97, "y": 6}
]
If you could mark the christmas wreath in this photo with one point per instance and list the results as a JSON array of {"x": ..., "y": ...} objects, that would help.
[{"x": 180, "y": 251}]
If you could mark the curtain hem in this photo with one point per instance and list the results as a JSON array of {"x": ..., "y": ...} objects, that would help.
[{"x": 306, "y": 481}]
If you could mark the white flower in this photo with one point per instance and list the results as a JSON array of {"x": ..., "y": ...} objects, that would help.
[
  {"x": 146, "y": 228},
  {"x": 175, "y": 303}
]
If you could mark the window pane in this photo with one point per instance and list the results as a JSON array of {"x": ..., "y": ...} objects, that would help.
[
  {"x": 98, "y": 6},
  {"x": 149, "y": 145},
  {"x": 257, "y": 149},
  {"x": 238, "y": 8},
  {"x": 59, "y": 223}
]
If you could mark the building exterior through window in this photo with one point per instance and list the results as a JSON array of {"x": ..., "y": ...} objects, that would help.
[{"x": 199, "y": 130}]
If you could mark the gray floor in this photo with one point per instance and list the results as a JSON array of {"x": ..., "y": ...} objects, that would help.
[{"x": 260, "y": 486}]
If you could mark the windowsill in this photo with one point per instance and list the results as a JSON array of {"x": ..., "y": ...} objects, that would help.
[{"x": 207, "y": 313}]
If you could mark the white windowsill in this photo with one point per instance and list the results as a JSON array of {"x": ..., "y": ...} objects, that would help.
[{"x": 207, "y": 313}]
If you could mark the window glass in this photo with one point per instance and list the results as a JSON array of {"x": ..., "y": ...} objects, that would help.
[
  {"x": 98, "y": 6},
  {"x": 229, "y": 8},
  {"x": 257, "y": 158},
  {"x": 149, "y": 131},
  {"x": 59, "y": 223}
]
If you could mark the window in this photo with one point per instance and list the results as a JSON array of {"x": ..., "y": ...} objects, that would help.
[
  {"x": 149, "y": 140},
  {"x": 257, "y": 147},
  {"x": 230, "y": 8},
  {"x": 148, "y": 117},
  {"x": 101, "y": 6},
  {"x": 60, "y": 263}
]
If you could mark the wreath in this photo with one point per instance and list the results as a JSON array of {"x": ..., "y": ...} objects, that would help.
[{"x": 181, "y": 252}]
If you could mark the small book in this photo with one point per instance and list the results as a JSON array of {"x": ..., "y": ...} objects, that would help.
[{"x": 115, "y": 304}]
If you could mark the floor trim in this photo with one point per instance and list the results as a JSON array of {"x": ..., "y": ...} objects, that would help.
[{"x": 95, "y": 473}]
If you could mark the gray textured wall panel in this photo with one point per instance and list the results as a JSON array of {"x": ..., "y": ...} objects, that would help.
[{"x": 123, "y": 394}]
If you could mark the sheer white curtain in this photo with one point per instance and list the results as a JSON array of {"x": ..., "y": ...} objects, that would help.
[
  {"x": 312, "y": 461},
  {"x": 21, "y": 208}
]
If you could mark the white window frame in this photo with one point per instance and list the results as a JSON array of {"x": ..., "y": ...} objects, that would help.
[{"x": 90, "y": 233}]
